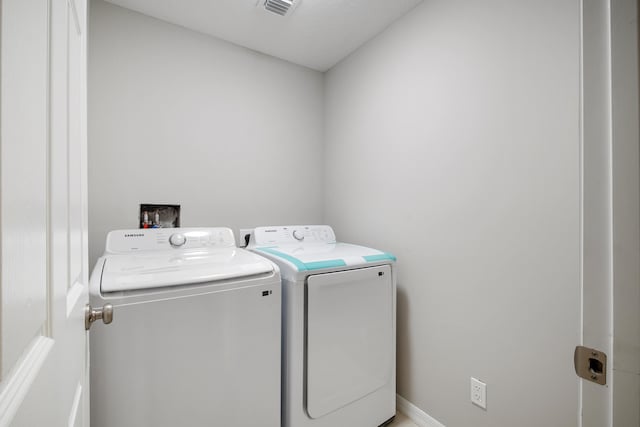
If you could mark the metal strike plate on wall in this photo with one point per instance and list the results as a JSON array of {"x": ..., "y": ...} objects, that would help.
[{"x": 590, "y": 364}]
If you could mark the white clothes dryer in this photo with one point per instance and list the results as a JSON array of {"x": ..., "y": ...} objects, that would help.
[
  {"x": 196, "y": 332},
  {"x": 339, "y": 327}
]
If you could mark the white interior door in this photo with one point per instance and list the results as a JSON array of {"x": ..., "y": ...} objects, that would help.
[{"x": 43, "y": 247}]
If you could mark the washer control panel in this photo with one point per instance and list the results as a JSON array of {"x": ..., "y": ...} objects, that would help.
[
  {"x": 158, "y": 239},
  {"x": 281, "y": 235}
]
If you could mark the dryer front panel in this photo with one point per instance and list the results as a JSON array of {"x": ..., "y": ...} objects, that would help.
[{"x": 349, "y": 337}]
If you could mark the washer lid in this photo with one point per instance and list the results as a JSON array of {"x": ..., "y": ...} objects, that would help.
[
  {"x": 304, "y": 257},
  {"x": 161, "y": 269}
]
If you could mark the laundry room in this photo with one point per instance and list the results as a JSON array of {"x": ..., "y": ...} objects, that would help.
[
  {"x": 450, "y": 139},
  {"x": 487, "y": 149}
]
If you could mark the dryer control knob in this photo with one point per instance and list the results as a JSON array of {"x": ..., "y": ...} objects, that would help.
[
  {"x": 298, "y": 235},
  {"x": 177, "y": 239}
]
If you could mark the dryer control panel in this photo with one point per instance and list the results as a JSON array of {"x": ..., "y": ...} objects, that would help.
[
  {"x": 164, "y": 239},
  {"x": 291, "y": 234}
]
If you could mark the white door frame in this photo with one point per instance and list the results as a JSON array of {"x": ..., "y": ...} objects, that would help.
[
  {"x": 611, "y": 213},
  {"x": 626, "y": 213}
]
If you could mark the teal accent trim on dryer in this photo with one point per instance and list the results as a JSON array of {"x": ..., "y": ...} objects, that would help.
[
  {"x": 304, "y": 266},
  {"x": 380, "y": 257},
  {"x": 318, "y": 265},
  {"x": 295, "y": 261}
]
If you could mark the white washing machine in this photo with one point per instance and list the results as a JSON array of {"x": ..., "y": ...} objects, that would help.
[
  {"x": 196, "y": 333},
  {"x": 339, "y": 328}
]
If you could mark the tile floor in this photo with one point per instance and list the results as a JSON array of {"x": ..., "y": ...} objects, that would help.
[{"x": 402, "y": 421}]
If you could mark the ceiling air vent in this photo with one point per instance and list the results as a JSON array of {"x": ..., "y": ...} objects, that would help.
[{"x": 281, "y": 7}]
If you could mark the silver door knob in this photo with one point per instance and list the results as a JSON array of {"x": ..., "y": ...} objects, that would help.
[{"x": 92, "y": 314}]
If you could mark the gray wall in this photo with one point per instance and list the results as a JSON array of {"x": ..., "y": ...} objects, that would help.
[
  {"x": 175, "y": 116},
  {"x": 453, "y": 140}
]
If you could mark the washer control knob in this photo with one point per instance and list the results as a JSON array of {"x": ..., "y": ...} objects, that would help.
[
  {"x": 177, "y": 239},
  {"x": 298, "y": 235}
]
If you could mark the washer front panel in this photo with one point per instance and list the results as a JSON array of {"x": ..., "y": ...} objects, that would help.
[{"x": 198, "y": 360}]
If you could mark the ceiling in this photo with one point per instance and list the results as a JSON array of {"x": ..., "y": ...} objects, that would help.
[{"x": 316, "y": 34}]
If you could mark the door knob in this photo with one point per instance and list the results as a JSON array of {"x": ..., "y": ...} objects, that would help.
[{"x": 92, "y": 314}]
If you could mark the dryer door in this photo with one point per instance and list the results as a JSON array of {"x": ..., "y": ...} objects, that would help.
[{"x": 349, "y": 349}]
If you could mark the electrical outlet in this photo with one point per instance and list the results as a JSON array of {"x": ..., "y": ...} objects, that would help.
[
  {"x": 243, "y": 239},
  {"x": 478, "y": 393}
]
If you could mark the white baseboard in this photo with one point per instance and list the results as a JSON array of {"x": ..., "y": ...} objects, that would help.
[{"x": 417, "y": 415}]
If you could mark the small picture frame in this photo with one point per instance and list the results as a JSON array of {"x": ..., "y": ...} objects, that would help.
[{"x": 154, "y": 215}]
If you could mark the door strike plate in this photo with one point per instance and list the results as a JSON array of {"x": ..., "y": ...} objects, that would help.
[{"x": 590, "y": 364}]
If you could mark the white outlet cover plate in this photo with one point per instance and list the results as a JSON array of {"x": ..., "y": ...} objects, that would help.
[{"x": 478, "y": 393}]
